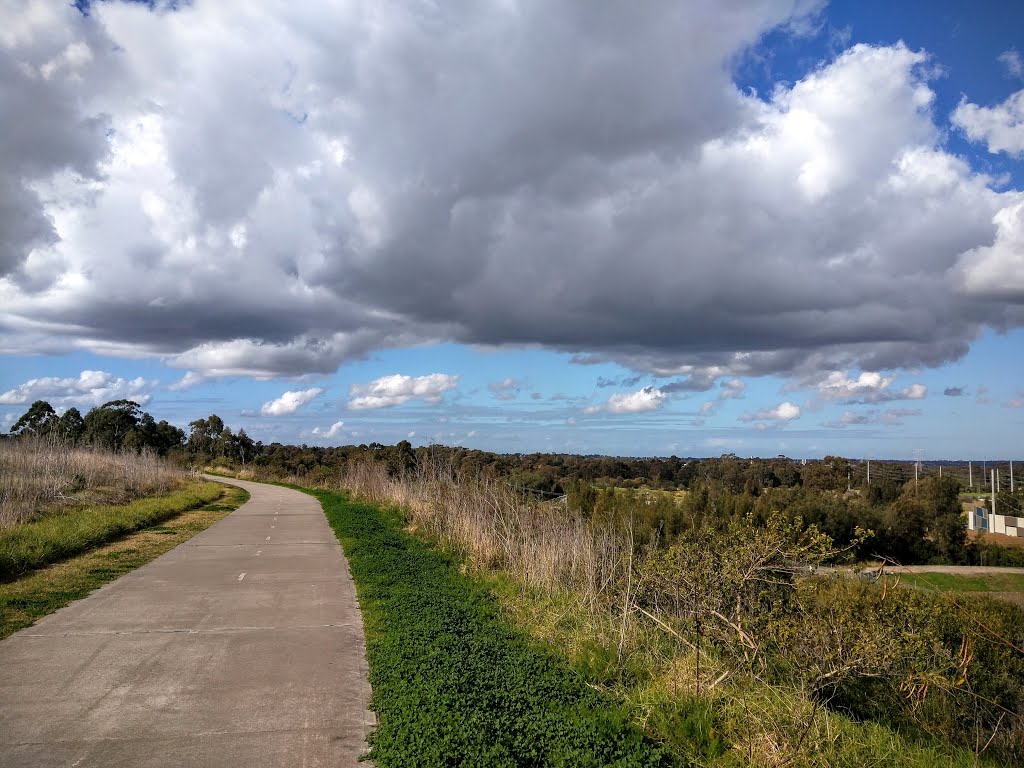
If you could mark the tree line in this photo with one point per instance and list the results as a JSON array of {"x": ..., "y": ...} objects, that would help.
[
  {"x": 911, "y": 522},
  {"x": 122, "y": 425}
]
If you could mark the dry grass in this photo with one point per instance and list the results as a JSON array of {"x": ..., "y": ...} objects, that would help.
[
  {"x": 543, "y": 545},
  {"x": 996, "y": 538},
  {"x": 41, "y": 475}
]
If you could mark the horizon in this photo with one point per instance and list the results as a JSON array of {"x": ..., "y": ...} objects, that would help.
[{"x": 795, "y": 227}]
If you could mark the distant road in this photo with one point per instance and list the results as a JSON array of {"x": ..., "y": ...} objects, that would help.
[{"x": 241, "y": 647}]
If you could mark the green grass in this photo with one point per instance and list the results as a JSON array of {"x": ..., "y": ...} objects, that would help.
[
  {"x": 29, "y": 598},
  {"x": 454, "y": 684},
  {"x": 949, "y": 582},
  {"x": 60, "y": 535}
]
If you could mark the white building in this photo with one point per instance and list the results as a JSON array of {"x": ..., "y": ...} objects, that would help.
[{"x": 981, "y": 519}]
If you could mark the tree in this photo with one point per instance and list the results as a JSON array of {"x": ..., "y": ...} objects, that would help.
[
  {"x": 70, "y": 426},
  {"x": 160, "y": 437},
  {"x": 39, "y": 419},
  {"x": 206, "y": 436},
  {"x": 110, "y": 424},
  {"x": 243, "y": 446},
  {"x": 925, "y": 524}
]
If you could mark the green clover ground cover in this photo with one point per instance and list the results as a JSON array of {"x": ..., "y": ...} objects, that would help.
[{"x": 454, "y": 684}]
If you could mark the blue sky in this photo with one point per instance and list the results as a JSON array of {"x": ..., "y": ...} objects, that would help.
[{"x": 798, "y": 231}]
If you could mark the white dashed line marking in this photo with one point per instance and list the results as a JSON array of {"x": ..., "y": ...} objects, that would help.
[
  {"x": 241, "y": 576},
  {"x": 259, "y": 552},
  {"x": 268, "y": 538}
]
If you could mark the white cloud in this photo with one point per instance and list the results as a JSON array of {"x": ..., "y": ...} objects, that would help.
[
  {"x": 289, "y": 402},
  {"x": 397, "y": 389},
  {"x": 895, "y": 416},
  {"x": 891, "y": 417},
  {"x": 646, "y": 399},
  {"x": 848, "y": 418},
  {"x": 783, "y": 412},
  {"x": 1000, "y": 127},
  {"x": 189, "y": 380},
  {"x": 913, "y": 392},
  {"x": 1013, "y": 62},
  {"x": 997, "y": 270},
  {"x": 507, "y": 389},
  {"x": 90, "y": 388},
  {"x": 868, "y": 387},
  {"x": 333, "y": 431}
]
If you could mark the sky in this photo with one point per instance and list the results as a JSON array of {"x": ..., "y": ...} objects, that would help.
[{"x": 758, "y": 227}]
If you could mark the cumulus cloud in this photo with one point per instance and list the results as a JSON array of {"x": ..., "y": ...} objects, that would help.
[
  {"x": 1014, "y": 403},
  {"x": 506, "y": 389},
  {"x": 1000, "y": 127},
  {"x": 868, "y": 387},
  {"x": 333, "y": 431},
  {"x": 783, "y": 412},
  {"x": 997, "y": 270},
  {"x": 289, "y": 402},
  {"x": 646, "y": 399},
  {"x": 388, "y": 391},
  {"x": 391, "y": 176},
  {"x": 90, "y": 388}
]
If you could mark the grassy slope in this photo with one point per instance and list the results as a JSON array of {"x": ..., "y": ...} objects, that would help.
[
  {"x": 949, "y": 582},
  {"x": 60, "y": 535},
  {"x": 37, "y": 594},
  {"x": 729, "y": 727},
  {"x": 453, "y": 683}
]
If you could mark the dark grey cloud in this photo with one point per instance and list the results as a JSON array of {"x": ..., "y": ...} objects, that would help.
[
  {"x": 618, "y": 381},
  {"x": 584, "y": 178},
  {"x": 954, "y": 391},
  {"x": 692, "y": 383}
]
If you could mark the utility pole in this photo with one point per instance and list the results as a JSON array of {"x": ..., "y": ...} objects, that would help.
[
  {"x": 918, "y": 454},
  {"x": 1012, "y": 488},
  {"x": 970, "y": 473},
  {"x": 869, "y": 471},
  {"x": 998, "y": 484},
  {"x": 992, "y": 524},
  {"x": 940, "y": 470}
]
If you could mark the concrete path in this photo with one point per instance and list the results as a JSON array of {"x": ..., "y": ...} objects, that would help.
[{"x": 241, "y": 647}]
